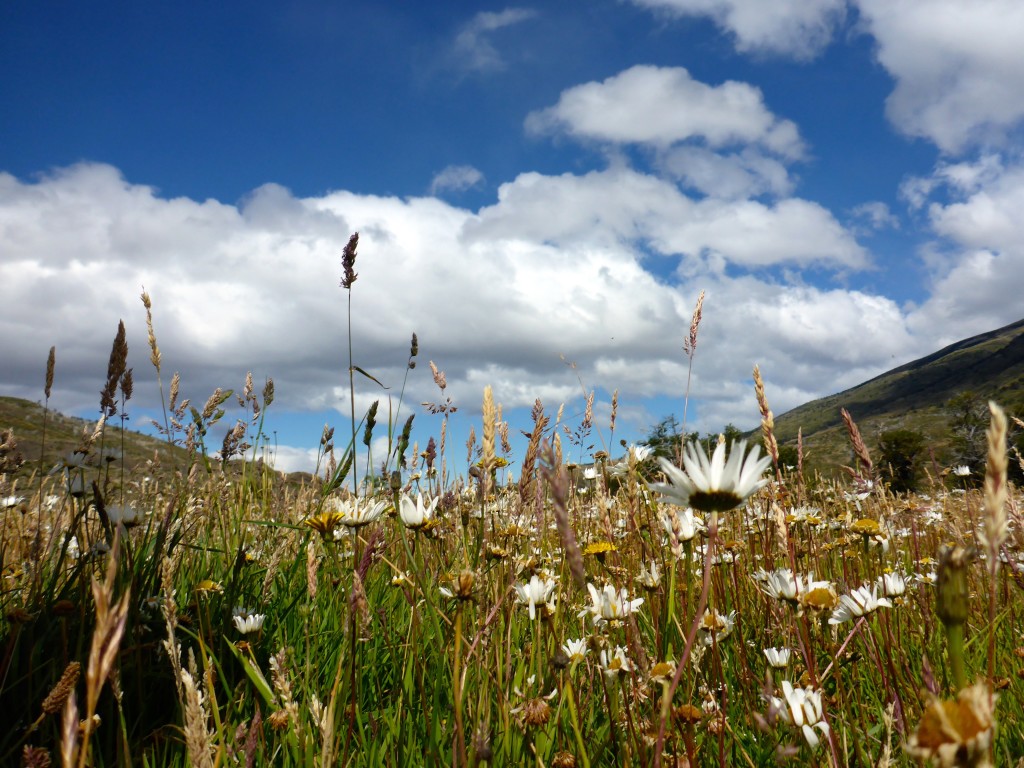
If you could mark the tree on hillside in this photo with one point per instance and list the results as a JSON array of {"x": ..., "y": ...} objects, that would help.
[
  {"x": 968, "y": 420},
  {"x": 901, "y": 451}
]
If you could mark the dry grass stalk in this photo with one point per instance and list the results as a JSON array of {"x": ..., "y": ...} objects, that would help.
[
  {"x": 169, "y": 608},
  {"x": 487, "y": 459},
  {"x": 50, "y": 365},
  {"x": 557, "y": 477},
  {"x": 690, "y": 344},
  {"x": 863, "y": 457},
  {"x": 154, "y": 351},
  {"x": 173, "y": 391},
  {"x": 771, "y": 445},
  {"x": 615, "y": 410},
  {"x": 106, "y": 641},
  {"x": 358, "y": 604},
  {"x": 115, "y": 369},
  {"x": 800, "y": 453},
  {"x": 198, "y": 738},
  {"x": 283, "y": 689},
  {"x": 312, "y": 563},
  {"x": 69, "y": 733},
  {"x": 690, "y": 347},
  {"x": 995, "y": 528},
  {"x": 213, "y": 403},
  {"x": 470, "y": 445},
  {"x": 526, "y": 477},
  {"x": 348, "y": 262},
  {"x": 323, "y": 716},
  {"x": 588, "y": 414}
]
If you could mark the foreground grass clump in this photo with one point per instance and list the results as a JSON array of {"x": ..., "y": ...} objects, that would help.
[{"x": 628, "y": 612}]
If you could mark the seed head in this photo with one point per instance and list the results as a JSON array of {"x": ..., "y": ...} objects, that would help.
[{"x": 348, "y": 262}]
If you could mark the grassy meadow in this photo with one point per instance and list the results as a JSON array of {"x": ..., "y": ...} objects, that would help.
[{"x": 532, "y": 612}]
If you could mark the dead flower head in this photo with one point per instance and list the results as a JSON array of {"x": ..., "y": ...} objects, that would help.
[{"x": 956, "y": 732}]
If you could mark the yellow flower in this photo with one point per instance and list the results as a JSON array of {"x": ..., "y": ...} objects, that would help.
[
  {"x": 325, "y": 523},
  {"x": 599, "y": 548}
]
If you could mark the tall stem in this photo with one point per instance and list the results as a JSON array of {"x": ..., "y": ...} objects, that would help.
[{"x": 352, "y": 398}]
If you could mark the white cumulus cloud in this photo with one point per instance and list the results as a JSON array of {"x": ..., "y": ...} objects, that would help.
[
  {"x": 796, "y": 28},
  {"x": 959, "y": 67},
  {"x": 664, "y": 105}
]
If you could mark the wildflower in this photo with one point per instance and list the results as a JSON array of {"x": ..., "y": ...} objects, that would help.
[
  {"x": 123, "y": 515},
  {"x": 800, "y": 707},
  {"x": 576, "y": 650},
  {"x": 648, "y": 579},
  {"x": 615, "y": 662},
  {"x": 246, "y": 622},
  {"x": 494, "y": 552},
  {"x": 784, "y": 586},
  {"x": 639, "y": 453},
  {"x": 417, "y": 515},
  {"x": 609, "y": 604},
  {"x": 956, "y": 732},
  {"x": 962, "y": 470},
  {"x": 867, "y": 528},
  {"x": 799, "y": 515},
  {"x": 662, "y": 671},
  {"x": 325, "y": 523},
  {"x": 860, "y": 602},
  {"x": 463, "y": 585},
  {"x": 356, "y": 513},
  {"x": 599, "y": 548},
  {"x": 777, "y": 657},
  {"x": 536, "y": 591},
  {"x": 536, "y": 712},
  {"x": 208, "y": 585},
  {"x": 713, "y": 485},
  {"x": 688, "y": 714},
  {"x": 682, "y": 525},
  {"x": 716, "y": 627},
  {"x": 820, "y": 596},
  {"x": 73, "y": 460},
  {"x": 892, "y": 584}
]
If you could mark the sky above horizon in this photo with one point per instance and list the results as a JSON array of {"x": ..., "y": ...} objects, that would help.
[{"x": 541, "y": 191}]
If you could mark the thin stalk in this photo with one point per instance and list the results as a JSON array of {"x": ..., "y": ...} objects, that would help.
[
  {"x": 460, "y": 736},
  {"x": 352, "y": 398}
]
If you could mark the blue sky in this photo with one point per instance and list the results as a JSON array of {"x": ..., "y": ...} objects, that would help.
[{"x": 533, "y": 184}]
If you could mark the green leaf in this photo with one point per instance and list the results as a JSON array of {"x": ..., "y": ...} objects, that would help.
[
  {"x": 371, "y": 378},
  {"x": 255, "y": 675}
]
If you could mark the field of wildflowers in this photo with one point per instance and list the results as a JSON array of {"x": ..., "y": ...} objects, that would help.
[{"x": 704, "y": 608}]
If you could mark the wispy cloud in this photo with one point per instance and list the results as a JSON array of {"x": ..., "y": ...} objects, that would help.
[
  {"x": 456, "y": 178},
  {"x": 473, "y": 49}
]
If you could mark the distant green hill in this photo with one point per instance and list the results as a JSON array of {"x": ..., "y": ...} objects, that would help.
[
  {"x": 64, "y": 434},
  {"x": 913, "y": 396}
]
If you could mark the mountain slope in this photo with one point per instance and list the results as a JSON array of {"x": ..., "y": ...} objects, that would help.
[{"x": 914, "y": 396}]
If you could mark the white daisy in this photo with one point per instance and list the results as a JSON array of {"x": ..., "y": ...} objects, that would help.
[
  {"x": 710, "y": 485},
  {"x": 800, "y": 707},
  {"x": 860, "y": 602},
  {"x": 536, "y": 591}
]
